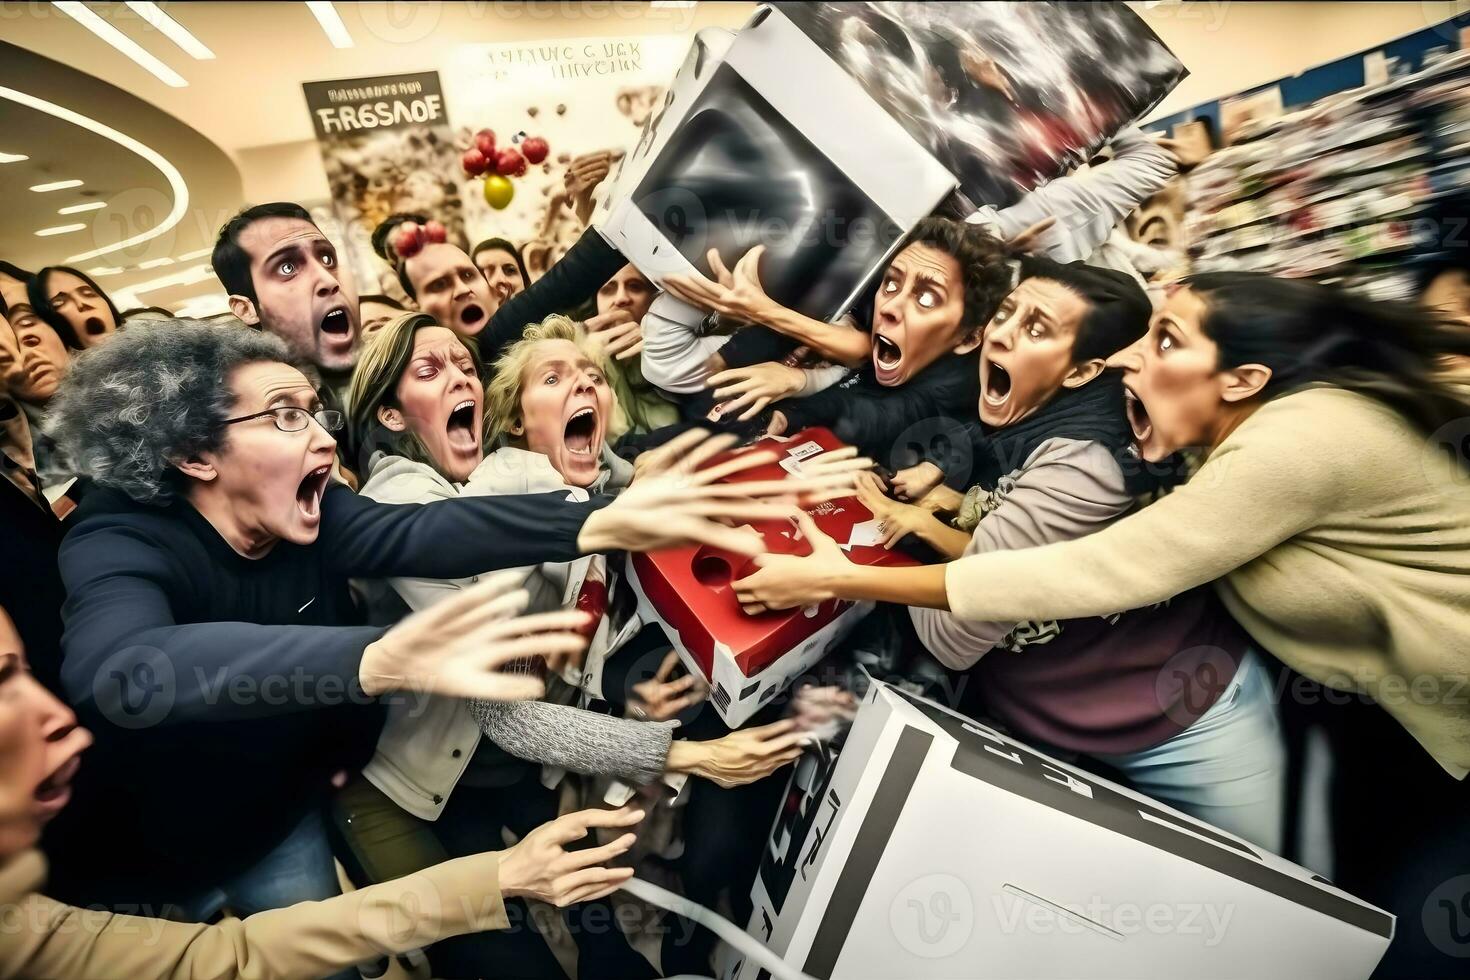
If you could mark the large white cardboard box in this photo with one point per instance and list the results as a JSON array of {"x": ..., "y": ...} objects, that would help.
[{"x": 934, "y": 847}]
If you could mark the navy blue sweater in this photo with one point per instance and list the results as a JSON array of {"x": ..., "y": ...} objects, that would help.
[{"x": 223, "y": 690}]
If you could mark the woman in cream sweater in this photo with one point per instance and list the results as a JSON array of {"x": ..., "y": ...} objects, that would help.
[{"x": 1332, "y": 512}]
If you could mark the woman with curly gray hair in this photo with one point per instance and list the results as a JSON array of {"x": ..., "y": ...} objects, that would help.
[{"x": 212, "y": 565}]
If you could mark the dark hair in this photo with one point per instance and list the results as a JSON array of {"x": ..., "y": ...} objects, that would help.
[
  {"x": 983, "y": 262},
  {"x": 41, "y": 303},
  {"x": 384, "y": 300},
  {"x": 505, "y": 245},
  {"x": 14, "y": 271},
  {"x": 1118, "y": 309},
  {"x": 147, "y": 309},
  {"x": 1306, "y": 332},
  {"x": 231, "y": 262}
]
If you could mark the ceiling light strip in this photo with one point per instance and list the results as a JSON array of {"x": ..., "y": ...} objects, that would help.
[
  {"x": 331, "y": 21},
  {"x": 79, "y": 208},
  {"x": 88, "y": 18},
  {"x": 62, "y": 229},
  {"x": 172, "y": 30},
  {"x": 13, "y": 157},
  {"x": 169, "y": 171},
  {"x": 55, "y": 185}
]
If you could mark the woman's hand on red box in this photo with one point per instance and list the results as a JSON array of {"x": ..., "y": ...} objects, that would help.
[{"x": 785, "y": 581}]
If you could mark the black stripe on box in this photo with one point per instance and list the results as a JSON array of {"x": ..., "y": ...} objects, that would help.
[{"x": 867, "y": 850}]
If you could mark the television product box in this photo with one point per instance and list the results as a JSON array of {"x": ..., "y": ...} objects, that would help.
[
  {"x": 765, "y": 139},
  {"x": 748, "y": 660},
  {"x": 931, "y": 846}
]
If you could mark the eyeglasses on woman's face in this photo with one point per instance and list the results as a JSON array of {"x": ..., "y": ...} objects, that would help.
[{"x": 289, "y": 418}]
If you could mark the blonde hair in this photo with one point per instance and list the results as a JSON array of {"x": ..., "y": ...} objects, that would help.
[{"x": 503, "y": 390}]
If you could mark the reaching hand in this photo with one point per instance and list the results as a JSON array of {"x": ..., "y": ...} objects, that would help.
[
  {"x": 583, "y": 175},
  {"x": 660, "y": 699},
  {"x": 1028, "y": 239},
  {"x": 784, "y": 581},
  {"x": 897, "y": 521},
  {"x": 738, "y": 295},
  {"x": 673, "y": 502},
  {"x": 914, "y": 482},
  {"x": 753, "y": 388},
  {"x": 539, "y": 866},
  {"x": 741, "y": 757},
  {"x": 460, "y": 647},
  {"x": 615, "y": 334},
  {"x": 814, "y": 707},
  {"x": 942, "y": 500}
]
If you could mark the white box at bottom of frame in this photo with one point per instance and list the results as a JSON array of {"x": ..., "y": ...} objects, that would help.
[{"x": 933, "y": 847}]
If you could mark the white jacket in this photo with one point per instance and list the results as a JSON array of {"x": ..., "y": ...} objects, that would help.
[{"x": 427, "y": 741}]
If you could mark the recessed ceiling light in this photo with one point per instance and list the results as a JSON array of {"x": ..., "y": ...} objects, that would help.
[
  {"x": 172, "y": 29},
  {"x": 79, "y": 208},
  {"x": 55, "y": 185},
  {"x": 187, "y": 277},
  {"x": 168, "y": 170},
  {"x": 331, "y": 21},
  {"x": 155, "y": 263},
  {"x": 85, "y": 16},
  {"x": 100, "y": 271},
  {"x": 60, "y": 230},
  {"x": 12, "y": 157}
]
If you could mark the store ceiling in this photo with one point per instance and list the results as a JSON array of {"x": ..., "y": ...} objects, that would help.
[{"x": 247, "y": 98}]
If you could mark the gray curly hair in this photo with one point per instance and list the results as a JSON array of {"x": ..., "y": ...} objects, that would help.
[{"x": 154, "y": 393}]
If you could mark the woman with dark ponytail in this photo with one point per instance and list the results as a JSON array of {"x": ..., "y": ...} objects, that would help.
[{"x": 1332, "y": 512}]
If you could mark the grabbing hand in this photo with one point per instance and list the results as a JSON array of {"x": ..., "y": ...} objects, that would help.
[
  {"x": 741, "y": 757},
  {"x": 942, "y": 500},
  {"x": 660, "y": 699},
  {"x": 784, "y": 581},
  {"x": 914, "y": 482},
  {"x": 583, "y": 175},
  {"x": 897, "y": 521},
  {"x": 615, "y": 334},
  {"x": 539, "y": 865},
  {"x": 461, "y": 647},
  {"x": 673, "y": 502},
  {"x": 753, "y": 388},
  {"x": 736, "y": 294},
  {"x": 815, "y": 707}
]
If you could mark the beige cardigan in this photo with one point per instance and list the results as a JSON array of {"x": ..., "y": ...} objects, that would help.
[
  {"x": 45, "y": 939},
  {"x": 1337, "y": 534}
]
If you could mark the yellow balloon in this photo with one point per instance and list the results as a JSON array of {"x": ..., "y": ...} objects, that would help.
[{"x": 498, "y": 191}]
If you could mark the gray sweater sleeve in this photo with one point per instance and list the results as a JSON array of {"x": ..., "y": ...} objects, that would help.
[
  {"x": 1067, "y": 489},
  {"x": 580, "y": 741}
]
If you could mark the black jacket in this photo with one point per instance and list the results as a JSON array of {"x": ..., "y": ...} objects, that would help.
[
  {"x": 223, "y": 690},
  {"x": 893, "y": 424},
  {"x": 572, "y": 281}
]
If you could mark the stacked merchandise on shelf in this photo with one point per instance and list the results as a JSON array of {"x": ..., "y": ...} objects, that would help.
[{"x": 1341, "y": 190}]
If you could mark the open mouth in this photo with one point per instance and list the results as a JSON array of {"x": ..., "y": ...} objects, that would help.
[
  {"x": 997, "y": 383},
  {"x": 336, "y": 323},
  {"x": 94, "y": 326},
  {"x": 886, "y": 353},
  {"x": 309, "y": 494},
  {"x": 1138, "y": 419},
  {"x": 461, "y": 427},
  {"x": 56, "y": 787},
  {"x": 472, "y": 314},
  {"x": 581, "y": 432}
]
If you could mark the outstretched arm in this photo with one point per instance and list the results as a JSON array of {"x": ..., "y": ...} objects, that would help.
[{"x": 569, "y": 283}]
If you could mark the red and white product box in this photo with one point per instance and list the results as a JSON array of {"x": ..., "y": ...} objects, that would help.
[
  {"x": 931, "y": 847},
  {"x": 750, "y": 659}
]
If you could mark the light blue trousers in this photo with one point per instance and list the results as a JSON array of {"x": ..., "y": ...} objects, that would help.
[{"x": 1228, "y": 768}]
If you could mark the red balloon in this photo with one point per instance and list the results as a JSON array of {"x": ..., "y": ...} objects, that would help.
[
  {"x": 475, "y": 163},
  {"x": 435, "y": 231},
  {"x": 510, "y": 163},
  {"x": 535, "y": 149},
  {"x": 409, "y": 240},
  {"x": 485, "y": 143}
]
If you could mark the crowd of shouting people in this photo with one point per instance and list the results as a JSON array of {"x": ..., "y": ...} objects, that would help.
[{"x": 337, "y": 580}]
